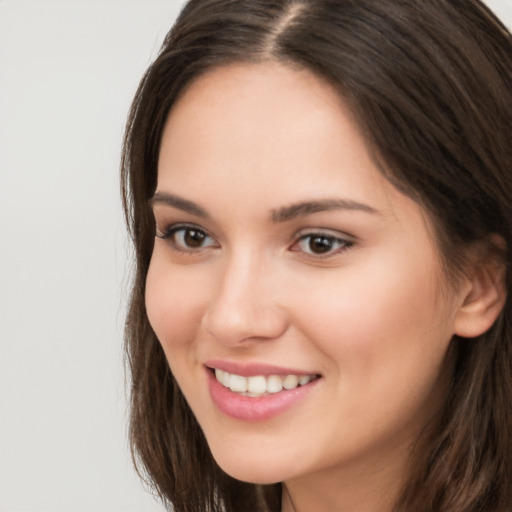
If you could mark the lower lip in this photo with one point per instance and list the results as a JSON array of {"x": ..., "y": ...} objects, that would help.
[{"x": 258, "y": 408}]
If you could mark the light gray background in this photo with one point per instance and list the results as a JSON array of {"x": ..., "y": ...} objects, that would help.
[{"x": 68, "y": 70}]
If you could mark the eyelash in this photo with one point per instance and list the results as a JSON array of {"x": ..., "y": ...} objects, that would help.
[{"x": 332, "y": 243}]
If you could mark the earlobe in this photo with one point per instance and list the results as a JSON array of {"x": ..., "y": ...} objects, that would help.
[{"x": 483, "y": 298}]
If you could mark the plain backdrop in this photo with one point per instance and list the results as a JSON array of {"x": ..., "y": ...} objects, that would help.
[{"x": 68, "y": 71}]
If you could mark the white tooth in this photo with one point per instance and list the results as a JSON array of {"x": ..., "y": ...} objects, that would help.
[
  {"x": 219, "y": 374},
  {"x": 225, "y": 379},
  {"x": 304, "y": 379},
  {"x": 290, "y": 381},
  {"x": 257, "y": 384},
  {"x": 238, "y": 383},
  {"x": 274, "y": 384}
]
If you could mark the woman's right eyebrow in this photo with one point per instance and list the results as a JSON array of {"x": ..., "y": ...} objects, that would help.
[{"x": 178, "y": 202}]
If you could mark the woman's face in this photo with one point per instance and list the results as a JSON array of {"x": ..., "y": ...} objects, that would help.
[{"x": 284, "y": 259}]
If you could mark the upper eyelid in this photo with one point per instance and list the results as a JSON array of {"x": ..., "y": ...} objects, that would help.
[
  {"x": 184, "y": 225},
  {"x": 167, "y": 227},
  {"x": 329, "y": 232}
]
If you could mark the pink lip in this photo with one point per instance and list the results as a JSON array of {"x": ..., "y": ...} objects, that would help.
[
  {"x": 255, "y": 408},
  {"x": 252, "y": 369}
]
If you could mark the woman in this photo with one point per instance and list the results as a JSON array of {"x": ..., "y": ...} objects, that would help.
[{"x": 319, "y": 193}]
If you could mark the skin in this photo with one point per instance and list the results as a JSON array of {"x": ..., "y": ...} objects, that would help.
[{"x": 372, "y": 316}]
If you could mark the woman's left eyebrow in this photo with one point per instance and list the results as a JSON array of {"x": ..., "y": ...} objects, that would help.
[{"x": 287, "y": 213}]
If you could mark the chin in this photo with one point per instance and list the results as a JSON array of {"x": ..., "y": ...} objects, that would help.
[{"x": 246, "y": 469}]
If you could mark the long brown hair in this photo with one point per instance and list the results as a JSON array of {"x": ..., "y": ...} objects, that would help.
[{"x": 430, "y": 82}]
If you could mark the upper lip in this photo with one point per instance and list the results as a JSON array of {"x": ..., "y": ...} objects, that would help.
[{"x": 252, "y": 369}]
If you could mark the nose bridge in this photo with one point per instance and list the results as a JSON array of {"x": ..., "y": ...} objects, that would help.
[{"x": 245, "y": 304}]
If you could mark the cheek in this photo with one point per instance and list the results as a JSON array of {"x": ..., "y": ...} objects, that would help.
[
  {"x": 384, "y": 341},
  {"x": 175, "y": 300},
  {"x": 382, "y": 322},
  {"x": 174, "y": 305}
]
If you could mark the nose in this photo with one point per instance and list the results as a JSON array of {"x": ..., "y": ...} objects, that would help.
[{"x": 246, "y": 304}]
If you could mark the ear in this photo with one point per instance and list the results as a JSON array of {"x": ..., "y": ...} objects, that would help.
[{"x": 484, "y": 295}]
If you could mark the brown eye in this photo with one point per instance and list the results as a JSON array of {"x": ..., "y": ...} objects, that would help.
[
  {"x": 193, "y": 237},
  {"x": 188, "y": 238},
  {"x": 321, "y": 244}
]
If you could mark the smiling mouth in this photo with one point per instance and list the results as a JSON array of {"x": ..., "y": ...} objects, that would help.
[{"x": 261, "y": 385}]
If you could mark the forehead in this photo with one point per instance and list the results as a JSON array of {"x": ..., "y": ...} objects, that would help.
[
  {"x": 261, "y": 121},
  {"x": 256, "y": 101}
]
